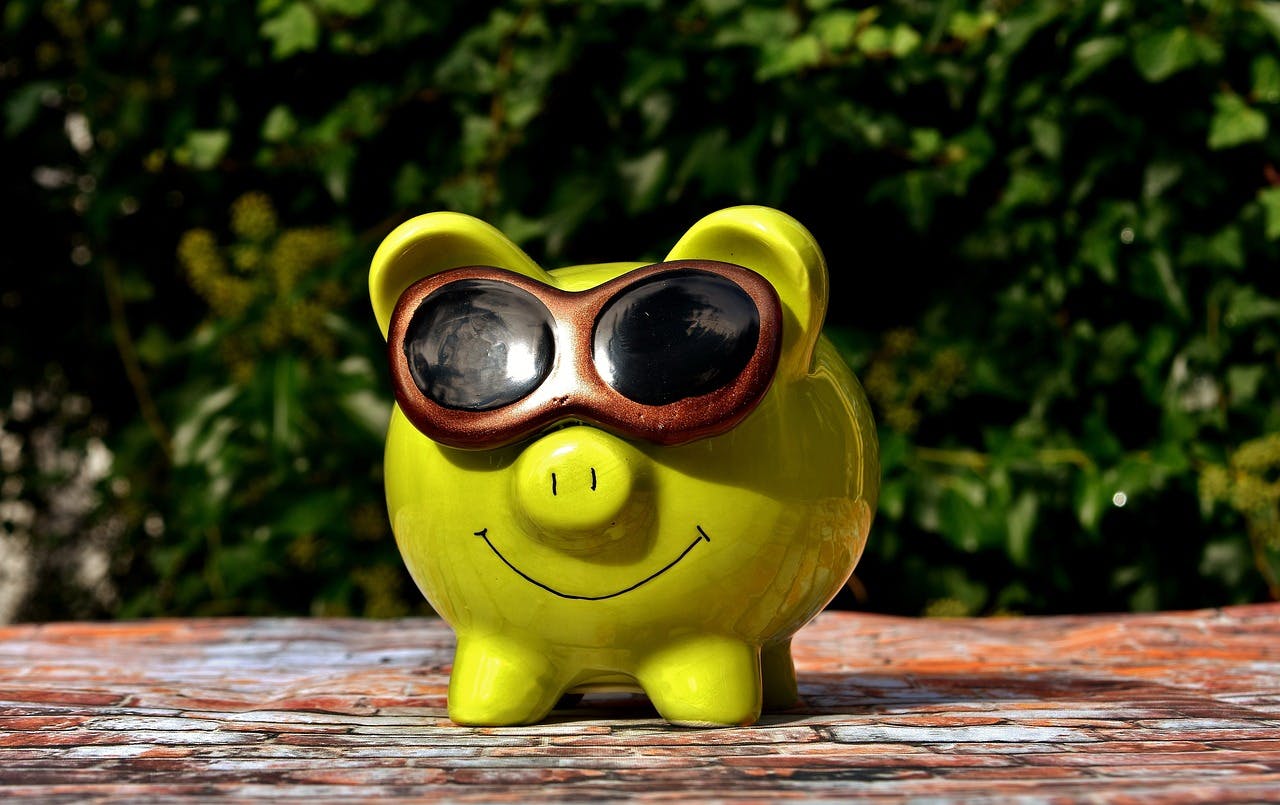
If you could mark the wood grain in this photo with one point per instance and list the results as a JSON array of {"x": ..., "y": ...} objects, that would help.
[{"x": 1177, "y": 707}]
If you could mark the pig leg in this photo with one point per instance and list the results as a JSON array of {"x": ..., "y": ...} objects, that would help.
[
  {"x": 498, "y": 681},
  {"x": 705, "y": 680}
]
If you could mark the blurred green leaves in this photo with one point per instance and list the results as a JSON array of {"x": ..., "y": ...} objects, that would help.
[
  {"x": 294, "y": 30},
  {"x": 1160, "y": 53},
  {"x": 1052, "y": 230},
  {"x": 1249, "y": 483},
  {"x": 203, "y": 149},
  {"x": 1269, "y": 198},
  {"x": 1235, "y": 122}
]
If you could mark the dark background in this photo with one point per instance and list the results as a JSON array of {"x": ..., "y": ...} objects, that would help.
[{"x": 1052, "y": 229}]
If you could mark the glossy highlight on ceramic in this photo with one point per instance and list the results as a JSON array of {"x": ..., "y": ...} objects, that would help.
[{"x": 651, "y": 486}]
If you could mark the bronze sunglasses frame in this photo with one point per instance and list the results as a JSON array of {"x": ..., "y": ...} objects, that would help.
[{"x": 574, "y": 389}]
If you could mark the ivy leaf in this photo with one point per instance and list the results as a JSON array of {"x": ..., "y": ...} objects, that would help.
[
  {"x": 966, "y": 26},
  {"x": 1021, "y": 525},
  {"x": 1266, "y": 79},
  {"x": 893, "y": 498},
  {"x": 286, "y": 402},
  {"x": 1243, "y": 382},
  {"x": 336, "y": 167},
  {"x": 1046, "y": 136},
  {"x": 410, "y": 185},
  {"x": 877, "y": 41},
  {"x": 1270, "y": 14},
  {"x": 294, "y": 30},
  {"x": 873, "y": 40},
  {"x": 836, "y": 29},
  {"x": 925, "y": 144},
  {"x": 904, "y": 40},
  {"x": 279, "y": 125},
  {"x": 959, "y": 513},
  {"x": 478, "y": 134},
  {"x": 1269, "y": 198},
  {"x": 1234, "y": 122},
  {"x": 1159, "y": 177},
  {"x": 192, "y": 433},
  {"x": 643, "y": 177},
  {"x": 21, "y": 106},
  {"x": 1092, "y": 55},
  {"x": 1090, "y": 497},
  {"x": 1247, "y": 307},
  {"x": 1169, "y": 286},
  {"x": 1028, "y": 187},
  {"x": 794, "y": 56},
  {"x": 1160, "y": 54},
  {"x": 1225, "y": 249},
  {"x": 203, "y": 148}
]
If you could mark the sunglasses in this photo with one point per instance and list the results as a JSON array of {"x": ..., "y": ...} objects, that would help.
[{"x": 672, "y": 352}]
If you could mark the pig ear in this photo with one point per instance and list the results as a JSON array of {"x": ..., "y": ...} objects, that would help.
[
  {"x": 776, "y": 246},
  {"x": 433, "y": 243}
]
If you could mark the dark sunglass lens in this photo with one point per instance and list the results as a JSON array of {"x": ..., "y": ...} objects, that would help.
[
  {"x": 676, "y": 336},
  {"x": 476, "y": 345}
]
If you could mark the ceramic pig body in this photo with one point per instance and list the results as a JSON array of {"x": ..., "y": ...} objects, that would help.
[{"x": 579, "y": 556}]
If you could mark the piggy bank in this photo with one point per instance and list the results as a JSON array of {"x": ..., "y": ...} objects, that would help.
[{"x": 622, "y": 475}]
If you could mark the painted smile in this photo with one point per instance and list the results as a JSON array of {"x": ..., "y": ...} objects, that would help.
[{"x": 702, "y": 535}]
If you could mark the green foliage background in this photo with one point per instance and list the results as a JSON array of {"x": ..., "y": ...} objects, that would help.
[{"x": 1052, "y": 227}]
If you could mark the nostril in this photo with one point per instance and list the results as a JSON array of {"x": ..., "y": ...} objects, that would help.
[
  {"x": 575, "y": 484},
  {"x": 556, "y": 481}
]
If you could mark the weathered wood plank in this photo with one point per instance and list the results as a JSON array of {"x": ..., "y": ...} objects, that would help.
[{"x": 1175, "y": 707}]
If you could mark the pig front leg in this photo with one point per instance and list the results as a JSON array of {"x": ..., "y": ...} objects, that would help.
[
  {"x": 498, "y": 681},
  {"x": 704, "y": 681}
]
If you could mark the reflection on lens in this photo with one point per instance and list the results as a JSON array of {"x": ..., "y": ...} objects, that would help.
[
  {"x": 675, "y": 336},
  {"x": 477, "y": 345}
]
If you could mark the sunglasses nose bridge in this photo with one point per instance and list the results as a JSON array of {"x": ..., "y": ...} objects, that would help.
[{"x": 574, "y": 485}]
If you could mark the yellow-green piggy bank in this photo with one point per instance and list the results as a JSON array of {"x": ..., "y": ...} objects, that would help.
[{"x": 621, "y": 475}]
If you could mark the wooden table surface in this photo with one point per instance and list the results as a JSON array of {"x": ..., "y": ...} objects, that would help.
[{"x": 1167, "y": 707}]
